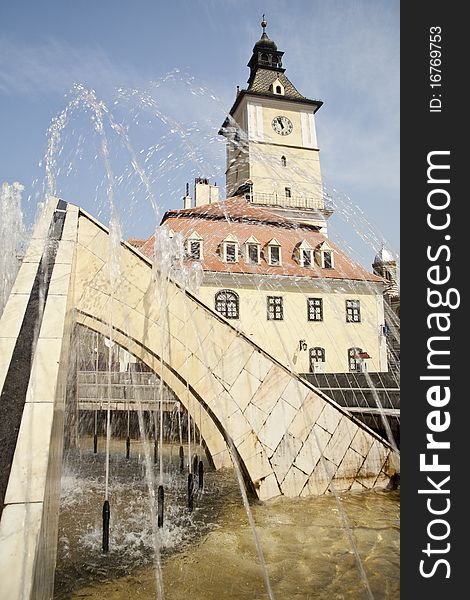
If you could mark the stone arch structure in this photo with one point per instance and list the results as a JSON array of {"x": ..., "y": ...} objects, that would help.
[{"x": 290, "y": 438}]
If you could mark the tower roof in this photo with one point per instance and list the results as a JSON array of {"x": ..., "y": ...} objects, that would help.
[
  {"x": 265, "y": 68},
  {"x": 383, "y": 256}
]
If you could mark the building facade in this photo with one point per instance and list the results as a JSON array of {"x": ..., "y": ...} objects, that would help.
[{"x": 268, "y": 265}]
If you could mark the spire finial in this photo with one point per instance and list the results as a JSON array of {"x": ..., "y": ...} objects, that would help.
[{"x": 264, "y": 23}]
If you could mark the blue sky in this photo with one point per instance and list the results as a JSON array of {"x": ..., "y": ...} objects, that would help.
[{"x": 344, "y": 52}]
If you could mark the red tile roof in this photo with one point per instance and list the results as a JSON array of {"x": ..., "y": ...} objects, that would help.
[{"x": 236, "y": 216}]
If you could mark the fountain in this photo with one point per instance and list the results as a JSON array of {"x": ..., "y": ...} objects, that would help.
[{"x": 181, "y": 440}]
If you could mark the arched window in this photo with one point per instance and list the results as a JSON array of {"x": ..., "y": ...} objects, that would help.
[
  {"x": 227, "y": 304},
  {"x": 283, "y": 161},
  {"x": 278, "y": 89},
  {"x": 316, "y": 355},
  {"x": 354, "y": 360},
  {"x": 264, "y": 58}
]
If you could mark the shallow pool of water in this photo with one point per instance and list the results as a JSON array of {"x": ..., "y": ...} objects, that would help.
[{"x": 210, "y": 554}]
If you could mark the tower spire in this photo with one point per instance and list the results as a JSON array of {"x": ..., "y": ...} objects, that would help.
[{"x": 264, "y": 23}]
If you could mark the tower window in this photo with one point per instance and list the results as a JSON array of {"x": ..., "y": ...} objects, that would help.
[
  {"x": 227, "y": 304},
  {"x": 288, "y": 192},
  {"x": 316, "y": 355},
  {"x": 283, "y": 161},
  {"x": 314, "y": 309},
  {"x": 264, "y": 58},
  {"x": 353, "y": 311},
  {"x": 275, "y": 308}
]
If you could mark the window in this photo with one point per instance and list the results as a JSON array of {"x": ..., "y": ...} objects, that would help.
[
  {"x": 253, "y": 253},
  {"x": 314, "y": 309},
  {"x": 229, "y": 249},
  {"x": 264, "y": 58},
  {"x": 193, "y": 246},
  {"x": 283, "y": 161},
  {"x": 227, "y": 304},
  {"x": 230, "y": 253},
  {"x": 274, "y": 255},
  {"x": 195, "y": 250},
  {"x": 274, "y": 252},
  {"x": 324, "y": 256},
  {"x": 355, "y": 362},
  {"x": 316, "y": 355},
  {"x": 327, "y": 260},
  {"x": 306, "y": 258},
  {"x": 278, "y": 89},
  {"x": 288, "y": 192},
  {"x": 275, "y": 308},
  {"x": 353, "y": 311}
]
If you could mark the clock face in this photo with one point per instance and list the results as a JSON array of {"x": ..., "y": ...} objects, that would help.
[{"x": 282, "y": 125}]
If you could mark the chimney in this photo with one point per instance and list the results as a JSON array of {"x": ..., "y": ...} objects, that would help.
[
  {"x": 187, "y": 200},
  {"x": 204, "y": 192}
]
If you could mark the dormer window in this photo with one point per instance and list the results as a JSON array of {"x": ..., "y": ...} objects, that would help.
[
  {"x": 304, "y": 254},
  {"x": 277, "y": 87},
  {"x": 252, "y": 255},
  {"x": 327, "y": 259},
  {"x": 194, "y": 249},
  {"x": 306, "y": 258},
  {"x": 230, "y": 253},
  {"x": 324, "y": 256},
  {"x": 283, "y": 161},
  {"x": 230, "y": 249},
  {"x": 274, "y": 252}
]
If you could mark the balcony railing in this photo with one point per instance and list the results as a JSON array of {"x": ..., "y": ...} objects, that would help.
[
  {"x": 289, "y": 201},
  {"x": 124, "y": 391}
]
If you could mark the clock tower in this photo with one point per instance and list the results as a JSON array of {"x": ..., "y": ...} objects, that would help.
[{"x": 272, "y": 150}]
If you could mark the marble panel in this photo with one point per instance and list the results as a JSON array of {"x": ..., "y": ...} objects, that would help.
[
  {"x": 268, "y": 487},
  {"x": 13, "y": 314},
  {"x": 281, "y": 460},
  {"x": 307, "y": 415},
  {"x": 274, "y": 383},
  {"x": 27, "y": 481},
  {"x": 294, "y": 482},
  {"x": 295, "y": 392},
  {"x": 276, "y": 424},
  {"x": 244, "y": 388},
  {"x": 19, "y": 533}
]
